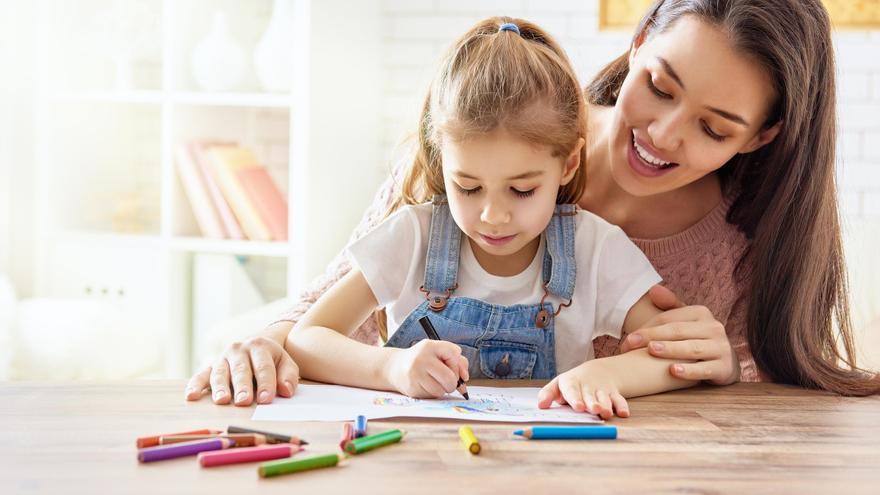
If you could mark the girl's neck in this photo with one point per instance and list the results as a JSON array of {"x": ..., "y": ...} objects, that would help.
[
  {"x": 509, "y": 265},
  {"x": 643, "y": 217}
]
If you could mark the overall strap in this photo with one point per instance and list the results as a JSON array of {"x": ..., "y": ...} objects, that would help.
[
  {"x": 444, "y": 246},
  {"x": 560, "y": 267}
]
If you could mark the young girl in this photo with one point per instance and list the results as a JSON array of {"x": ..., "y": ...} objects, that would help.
[{"x": 515, "y": 278}]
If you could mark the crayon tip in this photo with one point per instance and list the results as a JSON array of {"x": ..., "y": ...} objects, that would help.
[
  {"x": 518, "y": 432},
  {"x": 303, "y": 442},
  {"x": 466, "y": 396}
]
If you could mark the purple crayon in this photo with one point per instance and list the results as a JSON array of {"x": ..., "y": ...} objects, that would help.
[{"x": 183, "y": 449}]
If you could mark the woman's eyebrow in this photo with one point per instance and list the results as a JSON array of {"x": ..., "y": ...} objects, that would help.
[{"x": 723, "y": 113}]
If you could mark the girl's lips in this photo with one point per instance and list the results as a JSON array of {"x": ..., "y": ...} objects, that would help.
[
  {"x": 641, "y": 167},
  {"x": 497, "y": 241}
]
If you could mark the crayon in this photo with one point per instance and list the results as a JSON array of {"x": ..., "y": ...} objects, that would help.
[
  {"x": 286, "y": 466},
  {"x": 568, "y": 432},
  {"x": 241, "y": 439},
  {"x": 469, "y": 440},
  {"x": 270, "y": 437},
  {"x": 247, "y": 454},
  {"x": 347, "y": 434},
  {"x": 431, "y": 332},
  {"x": 163, "y": 452},
  {"x": 144, "y": 442},
  {"x": 360, "y": 427},
  {"x": 364, "y": 444}
]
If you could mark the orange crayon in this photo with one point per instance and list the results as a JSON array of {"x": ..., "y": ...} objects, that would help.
[{"x": 152, "y": 441}]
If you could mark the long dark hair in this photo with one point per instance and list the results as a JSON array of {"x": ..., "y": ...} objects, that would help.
[{"x": 799, "y": 327}]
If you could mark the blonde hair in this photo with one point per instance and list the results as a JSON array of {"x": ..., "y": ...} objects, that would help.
[
  {"x": 492, "y": 79},
  {"x": 497, "y": 79}
]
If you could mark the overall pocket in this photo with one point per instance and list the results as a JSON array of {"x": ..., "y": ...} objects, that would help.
[{"x": 507, "y": 360}]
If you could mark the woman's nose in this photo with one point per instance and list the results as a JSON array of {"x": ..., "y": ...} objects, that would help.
[{"x": 665, "y": 132}]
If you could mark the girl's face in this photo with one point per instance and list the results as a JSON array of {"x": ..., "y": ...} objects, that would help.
[
  {"x": 689, "y": 103},
  {"x": 502, "y": 191}
]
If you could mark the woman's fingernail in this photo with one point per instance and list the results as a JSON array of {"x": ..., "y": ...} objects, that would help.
[
  {"x": 657, "y": 346},
  {"x": 241, "y": 397},
  {"x": 678, "y": 368},
  {"x": 219, "y": 394},
  {"x": 635, "y": 339},
  {"x": 264, "y": 396}
]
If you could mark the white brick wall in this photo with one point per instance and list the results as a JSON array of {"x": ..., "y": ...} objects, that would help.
[{"x": 419, "y": 30}]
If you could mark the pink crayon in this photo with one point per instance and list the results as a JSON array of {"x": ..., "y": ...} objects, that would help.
[
  {"x": 247, "y": 454},
  {"x": 183, "y": 449}
]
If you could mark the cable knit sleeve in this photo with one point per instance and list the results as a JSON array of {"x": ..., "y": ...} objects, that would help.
[{"x": 368, "y": 332}]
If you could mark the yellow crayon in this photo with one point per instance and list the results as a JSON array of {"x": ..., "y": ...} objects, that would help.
[{"x": 469, "y": 440}]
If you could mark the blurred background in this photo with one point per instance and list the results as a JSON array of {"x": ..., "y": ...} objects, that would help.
[{"x": 174, "y": 172}]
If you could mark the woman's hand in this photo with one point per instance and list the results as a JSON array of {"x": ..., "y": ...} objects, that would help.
[
  {"x": 686, "y": 333},
  {"x": 261, "y": 357}
]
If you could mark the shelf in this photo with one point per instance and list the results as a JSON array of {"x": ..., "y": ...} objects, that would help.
[
  {"x": 265, "y": 100},
  {"x": 279, "y": 249}
]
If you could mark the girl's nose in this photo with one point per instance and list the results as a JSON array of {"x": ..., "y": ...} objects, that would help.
[{"x": 495, "y": 213}]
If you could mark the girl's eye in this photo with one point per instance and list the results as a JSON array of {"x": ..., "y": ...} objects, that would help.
[
  {"x": 468, "y": 192},
  {"x": 523, "y": 194},
  {"x": 656, "y": 91},
  {"x": 709, "y": 132}
]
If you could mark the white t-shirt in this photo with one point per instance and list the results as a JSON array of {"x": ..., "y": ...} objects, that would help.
[{"x": 612, "y": 274}]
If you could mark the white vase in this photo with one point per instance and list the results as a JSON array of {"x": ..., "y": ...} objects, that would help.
[
  {"x": 273, "y": 56},
  {"x": 218, "y": 61}
]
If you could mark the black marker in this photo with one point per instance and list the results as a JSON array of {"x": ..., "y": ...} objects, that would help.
[{"x": 432, "y": 334}]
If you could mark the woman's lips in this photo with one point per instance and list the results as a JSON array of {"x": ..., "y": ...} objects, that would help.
[
  {"x": 497, "y": 241},
  {"x": 642, "y": 167}
]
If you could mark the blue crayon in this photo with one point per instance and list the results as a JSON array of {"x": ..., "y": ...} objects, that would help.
[
  {"x": 568, "y": 432},
  {"x": 360, "y": 426}
]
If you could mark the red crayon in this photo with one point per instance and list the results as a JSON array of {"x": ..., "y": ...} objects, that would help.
[
  {"x": 247, "y": 454},
  {"x": 347, "y": 434}
]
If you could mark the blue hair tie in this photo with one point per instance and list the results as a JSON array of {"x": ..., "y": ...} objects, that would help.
[{"x": 509, "y": 26}]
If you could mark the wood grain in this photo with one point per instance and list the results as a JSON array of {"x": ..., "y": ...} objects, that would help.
[{"x": 746, "y": 438}]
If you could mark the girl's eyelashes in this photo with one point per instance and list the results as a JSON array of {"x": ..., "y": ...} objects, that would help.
[
  {"x": 474, "y": 190},
  {"x": 468, "y": 192},
  {"x": 666, "y": 96},
  {"x": 523, "y": 194}
]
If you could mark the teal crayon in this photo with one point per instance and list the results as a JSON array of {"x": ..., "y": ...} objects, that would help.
[{"x": 568, "y": 432}]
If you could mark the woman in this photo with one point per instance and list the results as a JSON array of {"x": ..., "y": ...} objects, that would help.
[{"x": 712, "y": 145}]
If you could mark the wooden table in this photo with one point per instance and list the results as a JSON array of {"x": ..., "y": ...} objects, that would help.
[{"x": 745, "y": 439}]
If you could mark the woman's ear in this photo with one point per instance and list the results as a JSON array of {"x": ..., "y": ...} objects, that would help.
[
  {"x": 761, "y": 138},
  {"x": 572, "y": 162}
]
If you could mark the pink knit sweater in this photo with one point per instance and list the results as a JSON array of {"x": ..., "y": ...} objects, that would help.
[{"x": 697, "y": 264}]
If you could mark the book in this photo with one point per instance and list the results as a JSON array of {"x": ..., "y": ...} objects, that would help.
[
  {"x": 196, "y": 191},
  {"x": 230, "y": 224},
  {"x": 226, "y": 161},
  {"x": 267, "y": 198}
]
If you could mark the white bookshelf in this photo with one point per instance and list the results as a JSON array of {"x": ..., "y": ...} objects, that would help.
[{"x": 106, "y": 185}]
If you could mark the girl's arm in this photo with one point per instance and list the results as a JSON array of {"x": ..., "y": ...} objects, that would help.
[
  {"x": 320, "y": 345},
  {"x": 601, "y": 386}
]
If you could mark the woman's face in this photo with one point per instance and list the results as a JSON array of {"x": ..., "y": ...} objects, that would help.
[{"x": 689, "y": 103}]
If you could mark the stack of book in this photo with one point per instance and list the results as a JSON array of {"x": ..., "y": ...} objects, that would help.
[{"x": 231, "y": 193}]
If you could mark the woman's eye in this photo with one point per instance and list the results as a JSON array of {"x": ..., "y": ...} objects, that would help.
[
  {"x": 523, "y": 194},
  {"x": 468, "y": 192},
  {"x": 712, "y": 134},
  {"x": 656, "y": 91}
]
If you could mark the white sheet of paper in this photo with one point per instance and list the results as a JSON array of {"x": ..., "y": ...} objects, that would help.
[{"x": 338, "y": 403}]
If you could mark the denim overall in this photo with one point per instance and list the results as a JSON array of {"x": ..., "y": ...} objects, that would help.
[{"x": 512, "y": 342}]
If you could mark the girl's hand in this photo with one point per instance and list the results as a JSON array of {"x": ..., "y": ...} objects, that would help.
[
  {"x": 686, "y": 333},
  {"x": 261, "y": 356},
  {"x": 590, "y": 387},
  {"x": 429, "y": 369}
]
